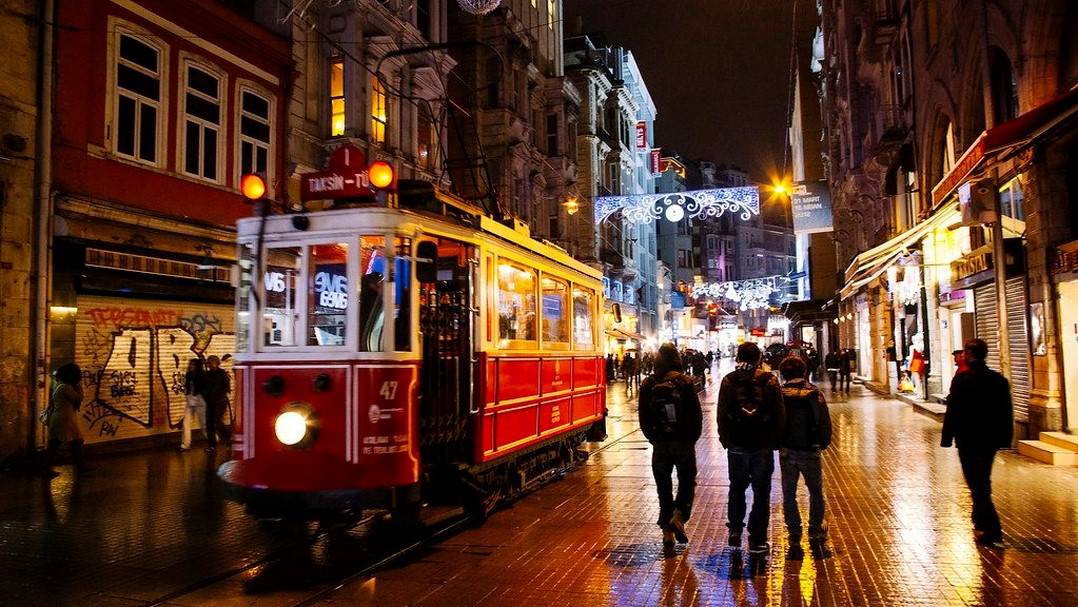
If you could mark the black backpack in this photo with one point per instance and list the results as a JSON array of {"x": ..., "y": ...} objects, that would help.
[
  {"x": 665, "y": 404},
  {"x": 749, "y": 414}
]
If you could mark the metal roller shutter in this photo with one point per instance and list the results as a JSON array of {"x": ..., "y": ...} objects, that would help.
[
  {"x": 984, "y": 299},
  {"x": 1019, "y": 342},
  {"x": 988, "y": 329}
]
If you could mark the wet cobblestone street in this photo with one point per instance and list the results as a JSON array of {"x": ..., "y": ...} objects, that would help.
[{"x": 145, "y": 526}]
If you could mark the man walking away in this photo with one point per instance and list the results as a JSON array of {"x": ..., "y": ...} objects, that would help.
[
  {"x": 671, "y": 419},
  {"x": 845, "y": 369},
  {"x": 751, "y": 419},
  {"x": 831, "y": 361},
  {"x": 215, "y": 390},
  {"x": 806, "y": 433},
  {"x": 980, "y": 421}
]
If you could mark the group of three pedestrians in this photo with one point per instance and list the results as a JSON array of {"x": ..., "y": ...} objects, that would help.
[{"x": 757, "y": 416}]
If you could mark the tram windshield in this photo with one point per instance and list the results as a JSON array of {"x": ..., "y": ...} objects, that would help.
[{"x": 312, "y": 295}]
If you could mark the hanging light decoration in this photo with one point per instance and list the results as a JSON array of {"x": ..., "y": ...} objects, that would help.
[
  {"x": 750, "y": 294},
  {"x": 479, "y": 7}
]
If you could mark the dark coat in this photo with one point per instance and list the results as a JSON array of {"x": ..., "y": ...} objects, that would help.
[
  {"x": 980, "y": 415},
  {"x": 767, "y": 437},
  {"x": 689, "y": 413},
  {"x": 808, "y": 421},
  {"x": 216, "y": 388}
]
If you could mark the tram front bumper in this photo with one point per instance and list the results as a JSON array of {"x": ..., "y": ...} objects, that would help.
[{"x": 298, "y": 485}]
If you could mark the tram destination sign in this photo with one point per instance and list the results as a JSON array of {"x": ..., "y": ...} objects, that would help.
[{"x": 346, "y": 177}]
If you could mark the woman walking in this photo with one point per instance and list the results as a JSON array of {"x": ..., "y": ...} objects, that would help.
[
  {"x": 60, "y": 418},
  {"x": 196, "y": 404}
]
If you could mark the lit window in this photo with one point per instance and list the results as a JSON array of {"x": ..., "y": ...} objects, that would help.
[
  {"x": 327, "y": 294},
  {"x": 279, "y": 313},
  {"x": 516, "y": 304},
  {"x": 555, "y": 311},
  {"x": 424, "y": 153},
  {"x": 336, "y": 97},
  {"x": 202, "y": 123},
  {"x": 1011, "y": 199},
  {"x": 583, "y": 333},
  {"x": 254, "y": 133},
  {"x": 551, "y": 11},
  {"x": 372, "y": 270},
  {"x": 138, "y": 99},
  {"x": 378, "y": 111}
]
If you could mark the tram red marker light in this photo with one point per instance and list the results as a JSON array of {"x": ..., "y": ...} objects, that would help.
[
  {"x": 380, "y": 174},
  {"x": 253, "y": 186},
  {"x": 274, "y": 386},
  {"x": 321, "y": 383}
]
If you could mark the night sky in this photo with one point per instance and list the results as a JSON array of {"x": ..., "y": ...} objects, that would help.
[{"x": 718, "y": 71}]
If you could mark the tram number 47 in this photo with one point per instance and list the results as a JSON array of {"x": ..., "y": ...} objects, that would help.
[{"x": 389, "y": 390}]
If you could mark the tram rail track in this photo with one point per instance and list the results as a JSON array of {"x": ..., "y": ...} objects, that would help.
[{"x": 445, "y": 528}]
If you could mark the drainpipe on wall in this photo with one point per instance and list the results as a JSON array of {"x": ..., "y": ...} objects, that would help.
[{"x": 42, "y": 276}]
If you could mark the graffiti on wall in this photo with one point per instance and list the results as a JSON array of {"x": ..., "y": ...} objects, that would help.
[{"x": 134, "y": 357}]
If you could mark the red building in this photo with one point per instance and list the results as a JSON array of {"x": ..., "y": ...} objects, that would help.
[{"x": 160, "y": 107}]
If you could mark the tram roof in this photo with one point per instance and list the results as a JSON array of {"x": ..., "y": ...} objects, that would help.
[{"x": 355, "y": 220}]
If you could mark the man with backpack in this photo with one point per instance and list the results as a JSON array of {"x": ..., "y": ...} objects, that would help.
[
  {"x": 671, "y": 419},
  {"x": 806, "y": 433},
  {"x": 751, "y": 419}
]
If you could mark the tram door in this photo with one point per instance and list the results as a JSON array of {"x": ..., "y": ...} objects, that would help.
[{"x": 447, "y": 378}]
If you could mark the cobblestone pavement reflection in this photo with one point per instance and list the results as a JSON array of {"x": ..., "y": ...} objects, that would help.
[
  {"x": 897, "y": 510},
  {"x": 149, "y": 525}
]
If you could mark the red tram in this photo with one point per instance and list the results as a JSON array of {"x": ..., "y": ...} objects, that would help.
[{"x": 385, "y": 355}]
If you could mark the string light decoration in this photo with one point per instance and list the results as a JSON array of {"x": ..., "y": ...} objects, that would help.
[
  {"x": 479, "y": 7},
  {"x": 645, "y": 208},
  {"x": 750, "y": 294}
]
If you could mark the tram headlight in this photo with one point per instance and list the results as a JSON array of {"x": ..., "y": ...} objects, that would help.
[{"x": 294, "y": 426}]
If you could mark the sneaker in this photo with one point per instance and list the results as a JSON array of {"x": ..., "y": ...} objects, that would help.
[
  {"x": 795, "y": 553},
  {"x": 677, "y": 525},
  {"x": 990, "y": 540},
  {"x": 735, "y": 539},
  {"x": 758, "y": 547}
]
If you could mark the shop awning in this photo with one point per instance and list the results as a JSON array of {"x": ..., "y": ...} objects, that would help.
[
  {"x": 868, "y": 266},
  {"x": 1003, "y": 140},
  {"x": 809, "y": 310},
  {"x": 619, "y": 334}
]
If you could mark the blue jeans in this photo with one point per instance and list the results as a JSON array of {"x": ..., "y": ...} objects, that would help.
[
  {"x": 794, "y": 464},
  {"x": 750, "y": 467}
]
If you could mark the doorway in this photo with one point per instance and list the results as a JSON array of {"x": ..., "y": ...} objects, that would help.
[{"x": 1068, "y": 338}]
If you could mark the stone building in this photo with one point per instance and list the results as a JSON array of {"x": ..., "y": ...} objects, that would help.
[
  {"x": 950, "y": 134},
  {"x": 522, "y": 132},
  {"x": 21, "y": 278}
]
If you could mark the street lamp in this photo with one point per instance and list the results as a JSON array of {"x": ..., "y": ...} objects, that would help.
[{"x": 571, "y": 206}]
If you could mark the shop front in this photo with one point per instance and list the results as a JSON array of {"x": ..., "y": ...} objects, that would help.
[{"x": 134, "y": 299}]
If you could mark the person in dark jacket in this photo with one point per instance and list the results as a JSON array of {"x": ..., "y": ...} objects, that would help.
[
  {"x": 831, "y": 362},
  {"x": 806, "y": 433},
  {"x": 845, "y": 369},
  {"x": 216, "y": 390},
  {"x": 979, "y": 421},
  {"x": 610, "y": 366},
  {"x": 751, "y": 419},
  {"x": 672, "y": 420}
]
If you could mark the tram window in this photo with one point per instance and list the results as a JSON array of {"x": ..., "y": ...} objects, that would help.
[
  {"x": 243, "y": 297},
  {"x": 555, "y": 316},
  {"x": 372, "y": 264},
  {"x": 583, "y": 331},
  {"x": 279, "y": 313},
  {"x": 516, "y": 304},
  {"x": 402, "y": 276},
  {"x": 327, "y": 294}
]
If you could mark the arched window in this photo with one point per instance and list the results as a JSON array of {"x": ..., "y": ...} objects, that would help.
[{"x": 1004, "y": 86}]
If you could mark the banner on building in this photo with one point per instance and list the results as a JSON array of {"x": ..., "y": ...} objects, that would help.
[
  {"x": 656, "y": 161},
  {"x": 641, "y": 135},
  {"x": 811, "y": 205}
]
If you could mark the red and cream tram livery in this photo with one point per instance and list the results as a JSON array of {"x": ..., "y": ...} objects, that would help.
[{"x": 384, "y": 354}]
